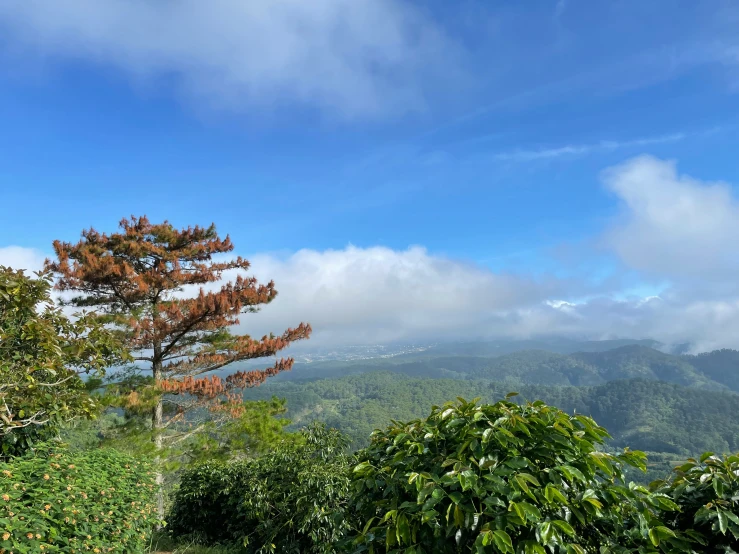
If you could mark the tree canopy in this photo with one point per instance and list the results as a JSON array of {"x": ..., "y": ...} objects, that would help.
[{"x": 43, "y": 354}]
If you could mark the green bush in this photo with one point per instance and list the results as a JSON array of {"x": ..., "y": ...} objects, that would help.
[
  {"x": 707, "y": 491},
  {"x": 503, "y": 478},
  {"x": 205, "y": 506},
  {"x": 43, "y": 354},
  {"x": 290, "y": 500},
  {"x": 53, "y": 500}
]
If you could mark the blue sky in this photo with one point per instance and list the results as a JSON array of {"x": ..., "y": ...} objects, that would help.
[{"x": 477, "y": 130}]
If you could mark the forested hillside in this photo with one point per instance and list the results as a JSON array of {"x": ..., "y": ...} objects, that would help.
[
  {"x": 720, "y": 365},
  {"x": 643, "y": 414}
]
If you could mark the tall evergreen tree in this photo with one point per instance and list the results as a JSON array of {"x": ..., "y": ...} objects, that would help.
[{"x": 136, "y": 279}]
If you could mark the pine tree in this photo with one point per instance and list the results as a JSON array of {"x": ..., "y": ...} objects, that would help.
[{"x": 137, "y": 280}]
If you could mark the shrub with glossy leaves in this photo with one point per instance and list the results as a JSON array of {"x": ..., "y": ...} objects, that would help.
[
  {"x": 290, "y": 500},
  {"x": 43, "y": 353},
  {"x": 52, "y": 500},
  {"x": 707, "y": 491},
  {"x": 504, "y": 478}
]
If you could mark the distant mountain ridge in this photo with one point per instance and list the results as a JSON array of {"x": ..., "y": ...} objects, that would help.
[
  {"x": 558, "y": 345},
  {"x": 717, "y": 370}
]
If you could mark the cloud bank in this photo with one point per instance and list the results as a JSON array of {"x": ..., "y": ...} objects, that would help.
[
  {"x": 671, "y": 227},
  {"x": 356, "y": 59}
]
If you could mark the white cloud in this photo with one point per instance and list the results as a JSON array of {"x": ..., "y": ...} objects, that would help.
[
  {"x": 352, "y": 58},
  {"x": 673, "y": 225},
  {"x": 18, "y": 257},
  {"x": 377, "y": 294}
]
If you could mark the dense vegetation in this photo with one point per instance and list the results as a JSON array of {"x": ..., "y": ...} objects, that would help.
[
  {"x": 291, "y": 500},
  {"x": 498, "y": 478},
  {"x": 503, "y": 476},
  {"x": 53, "y": 500},
  {"x": 43, "y": 354},
  {"x": 719, "y": 365}
]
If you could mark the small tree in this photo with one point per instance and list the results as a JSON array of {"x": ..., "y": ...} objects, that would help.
[
  {"x": 42, "y": 355},
  {"x": 707, "y": 491},
  {"x": 136, "y": 279},
  {"x": 503, "y": 478},
  {"x": 289, "y": 500}
]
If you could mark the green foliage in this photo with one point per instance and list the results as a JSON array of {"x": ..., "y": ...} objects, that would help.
[
  {"x": 707, "y": 491},
  {"x": 502, "y": 478},
  {"x": 90, "y": 434},
  {"x": 42, "y": 355},
  {"x": 53, "y": 500},
  {"x": 719, "y": 365},
  {"x": 289, "y": 500},
  {"x": 257, "y": 427},
  {"x": 164, "y": 543}
]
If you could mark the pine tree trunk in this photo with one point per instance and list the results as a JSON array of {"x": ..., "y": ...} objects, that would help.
[
  {"x": 159, "y": 476},
  {"x": 156, "y": 427}
]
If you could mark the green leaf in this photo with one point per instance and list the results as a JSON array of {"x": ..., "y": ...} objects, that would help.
[
  {"x": 516, "y": 507},
  {"x": 403, "y": 530},
  {"x": 723, "y": 521},
  {"x": 551, "y": 493},
  {"x": 564, "y": 526},
  {"x": 530, "y": 478},
  {"x": 503, "y": 541}
]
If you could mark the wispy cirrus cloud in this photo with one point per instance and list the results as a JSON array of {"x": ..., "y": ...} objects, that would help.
[
  {"x": 356, "y": 59},
  {"x": 583, "y": 149}
]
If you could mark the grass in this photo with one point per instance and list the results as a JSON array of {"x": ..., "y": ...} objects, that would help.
[{"x": 163, "y": 544}]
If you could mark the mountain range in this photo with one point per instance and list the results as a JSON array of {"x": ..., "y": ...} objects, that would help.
[{"x": 718, "y": 370}]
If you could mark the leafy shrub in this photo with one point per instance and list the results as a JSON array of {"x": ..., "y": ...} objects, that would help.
[
  {"x": 205, "y": 506},
  {"x": 42, "y": 355},
  {"x": 502, "y": 478},
  {"x": 707, "y": 491},
  {"x": 53, "y": 500},
  {"x": 290, "y": 500}
]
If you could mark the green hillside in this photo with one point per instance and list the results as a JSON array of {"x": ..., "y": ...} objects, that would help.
[
  {"x": 642, "y": 414},
  {"x": 713, "y": 371},
  {"x": 629, "y": 362},
  {"x": 720, "y": 365}
]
